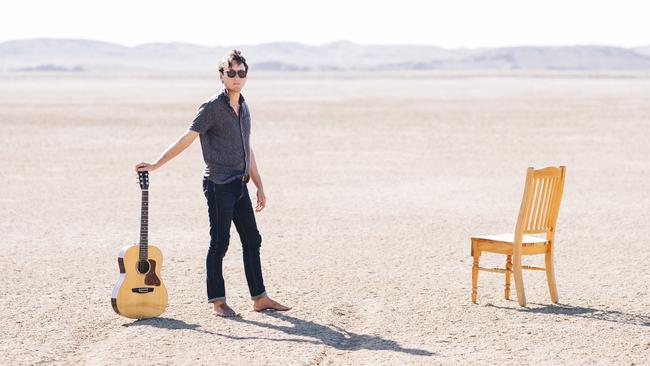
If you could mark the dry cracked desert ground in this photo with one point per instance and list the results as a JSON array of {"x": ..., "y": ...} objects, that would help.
[{"x": 375, "y": 183}]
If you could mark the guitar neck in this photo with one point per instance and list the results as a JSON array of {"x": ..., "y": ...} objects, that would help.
[{"x": 144, "y": 225}]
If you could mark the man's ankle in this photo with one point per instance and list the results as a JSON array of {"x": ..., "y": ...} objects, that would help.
[{"x": 260, "y": 297}]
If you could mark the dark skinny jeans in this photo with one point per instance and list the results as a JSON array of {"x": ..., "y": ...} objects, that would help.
[{"x": 230, "y": 203}]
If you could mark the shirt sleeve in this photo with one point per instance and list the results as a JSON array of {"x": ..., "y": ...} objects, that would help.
[{"x": 203, "y": 120}]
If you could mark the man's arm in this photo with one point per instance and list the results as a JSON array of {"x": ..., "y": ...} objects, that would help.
[
  {"x": 176, "y": 148},
  {"x": 257, "y": 180}
]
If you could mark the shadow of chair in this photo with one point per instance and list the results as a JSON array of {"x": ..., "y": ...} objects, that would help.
[
  {"x": 537, "y": 216},
  {"x": 614, "y": 316}
]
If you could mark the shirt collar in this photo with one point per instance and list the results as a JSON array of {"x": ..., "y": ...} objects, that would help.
[{"x": 226, "y": 98}]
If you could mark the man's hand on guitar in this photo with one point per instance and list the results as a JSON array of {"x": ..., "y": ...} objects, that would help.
[{"x": 145, "y": 167}]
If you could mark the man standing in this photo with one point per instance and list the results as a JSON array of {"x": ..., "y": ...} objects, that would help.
[{"x": 223, "y": 124}]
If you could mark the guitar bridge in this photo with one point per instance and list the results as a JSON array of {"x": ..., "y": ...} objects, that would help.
[{"x": 142, "y": 290}]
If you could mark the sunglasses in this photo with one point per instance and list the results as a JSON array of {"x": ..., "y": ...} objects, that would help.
[{"x": 232, "y": 73}]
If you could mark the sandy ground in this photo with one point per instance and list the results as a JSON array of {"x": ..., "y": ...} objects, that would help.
[{"x": 375, "y": 184}]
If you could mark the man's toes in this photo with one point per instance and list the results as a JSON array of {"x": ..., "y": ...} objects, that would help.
[
  {"x": 230, "y": 314},
  {"x": 224, "y": 311},
  {"x": 277, "y": 306},
  {"x": 273, "y": 306}
]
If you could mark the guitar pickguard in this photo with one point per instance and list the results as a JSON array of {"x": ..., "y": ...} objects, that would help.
[{"x": 151, "y": 279}]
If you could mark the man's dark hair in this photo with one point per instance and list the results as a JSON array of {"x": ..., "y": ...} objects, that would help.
[{"x": 230, "y": 57}]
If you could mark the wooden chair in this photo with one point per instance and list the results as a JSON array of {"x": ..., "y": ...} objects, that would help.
[{"x": 537, "y": 215}]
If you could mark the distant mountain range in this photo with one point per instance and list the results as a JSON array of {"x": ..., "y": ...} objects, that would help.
[{"x": 78, "y": 55}]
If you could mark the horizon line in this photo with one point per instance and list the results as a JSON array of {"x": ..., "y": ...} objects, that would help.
[{"x": 322, "y": 44}]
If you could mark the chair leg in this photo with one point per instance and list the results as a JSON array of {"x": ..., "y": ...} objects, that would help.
[
  {"x": 508, "y": 269},
  {"x": 475, "y": 254},
  {"x": 519, "y": 281},
  {"x": 550, "y": 276}
]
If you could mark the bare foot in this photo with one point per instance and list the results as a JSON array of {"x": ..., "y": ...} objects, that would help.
[
  {"x": 266, "y": 303},
  {"x": 220, "y": 308}
]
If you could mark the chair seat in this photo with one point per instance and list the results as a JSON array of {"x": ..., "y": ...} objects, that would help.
[
  {"x": 510, "y": 238},
  {"x": 504, "y": 244}
]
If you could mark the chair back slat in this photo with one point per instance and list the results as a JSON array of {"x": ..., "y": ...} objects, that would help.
[
  {"x": 532, "y": 211},
  {"x": 527, "y": 204},
  {"x": 549, "y": 220},
  {"x": 541, "y": 201},
  {"x": 541, "y": 222}
]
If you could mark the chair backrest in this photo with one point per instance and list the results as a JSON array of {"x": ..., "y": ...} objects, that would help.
[{"x": 541, "y": 201}]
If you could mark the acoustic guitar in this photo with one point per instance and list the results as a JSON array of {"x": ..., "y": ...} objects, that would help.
[{"x": 139, "y": 292}]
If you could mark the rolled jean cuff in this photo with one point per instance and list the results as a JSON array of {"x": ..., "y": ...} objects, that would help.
[
  {"x": 258, "y": 296},
  {"x": 223, "y": 298}
]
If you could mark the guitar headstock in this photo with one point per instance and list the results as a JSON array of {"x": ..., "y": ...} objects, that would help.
[{"x": 143, "y": 178}]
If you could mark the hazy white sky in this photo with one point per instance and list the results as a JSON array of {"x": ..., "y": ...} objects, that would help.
[{"x": 450, "y": 23}]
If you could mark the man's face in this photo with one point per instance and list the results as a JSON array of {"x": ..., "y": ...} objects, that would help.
[{"x": 236, "y": 83}]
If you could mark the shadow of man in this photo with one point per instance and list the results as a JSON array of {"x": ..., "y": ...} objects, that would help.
[{"x": 330, "y": 335}]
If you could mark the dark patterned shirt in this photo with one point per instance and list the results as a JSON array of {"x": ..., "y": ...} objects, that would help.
[{"x": 225, "y": 138}]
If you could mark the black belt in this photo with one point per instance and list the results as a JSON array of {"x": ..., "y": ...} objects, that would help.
[{"x": 245, "y": 178}]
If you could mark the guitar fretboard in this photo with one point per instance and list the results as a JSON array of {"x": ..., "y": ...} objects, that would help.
[{"x": 144, "y": 225}]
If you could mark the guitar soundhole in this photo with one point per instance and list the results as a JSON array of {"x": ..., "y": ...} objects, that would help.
[{"x": 143, "y": 266}]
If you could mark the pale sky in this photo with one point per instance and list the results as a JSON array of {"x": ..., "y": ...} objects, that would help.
[{"x": 449, "y": 24}]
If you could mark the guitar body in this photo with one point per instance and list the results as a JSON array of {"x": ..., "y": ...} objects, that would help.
[{"x": 139, "y": 292}]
